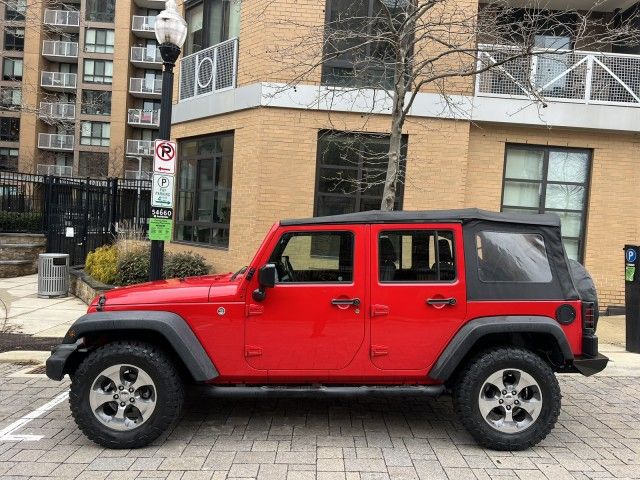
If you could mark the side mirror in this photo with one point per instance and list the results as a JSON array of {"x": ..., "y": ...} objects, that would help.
[{"x": 266, "y": 279}]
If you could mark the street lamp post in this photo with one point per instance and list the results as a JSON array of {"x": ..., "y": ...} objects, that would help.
[{"x": 171, "y": 32}]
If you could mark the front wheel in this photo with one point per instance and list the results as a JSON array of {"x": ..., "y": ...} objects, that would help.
[
  {"x": 507, "y": 398},
  {"x": 125, "y": 394}
]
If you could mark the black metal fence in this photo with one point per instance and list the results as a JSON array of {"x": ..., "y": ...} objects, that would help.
[{"x": 76, "y": 214}]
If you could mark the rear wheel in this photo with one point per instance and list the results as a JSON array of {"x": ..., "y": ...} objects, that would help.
[
  {"x": 507, "y": 398},
  {"x": 125, "y": 394}
]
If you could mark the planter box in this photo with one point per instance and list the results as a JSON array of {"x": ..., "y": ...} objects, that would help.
[{"x": 84, "y": 287}]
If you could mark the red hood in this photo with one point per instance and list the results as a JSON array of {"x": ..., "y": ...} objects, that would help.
[{"x": 187, "y": 290}]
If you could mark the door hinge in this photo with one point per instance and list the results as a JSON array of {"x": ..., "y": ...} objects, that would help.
[
  {"x": 378, "y": 310},
  {"x": 379, "y": 350},
  {"x": 252, "y": 351},
  {"x": 253, "y": 309}
]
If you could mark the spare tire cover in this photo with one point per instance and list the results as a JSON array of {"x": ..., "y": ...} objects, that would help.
[{"x": 584, "y": 282}]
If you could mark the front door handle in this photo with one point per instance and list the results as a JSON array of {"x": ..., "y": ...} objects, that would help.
[
  {"x": 441, "y": 301},
  {"x": 346, "y": 301}
]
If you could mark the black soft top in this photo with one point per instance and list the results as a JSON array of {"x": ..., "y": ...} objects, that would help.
[{"x": 462, "y": 215}]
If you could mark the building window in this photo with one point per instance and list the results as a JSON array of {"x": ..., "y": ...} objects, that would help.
[
  {"x": 11, "y": 98},
  {"x": 98, "y": 71},
  {"x": 8, "y": 159},
  {"x": 96, "y": 102},
  {"x": 550, "y": 179},
  {"x": 92, "y": 164},
  {"x": 211, "y": 22},
  {"x": 100, "y": 10},
  {"x": 9, "y": 129},
  {"x": 98, "y": 40},
  {"x": 351, "y": 170},
  {"x": 12, "y": 69},
  {"x": 15, "y": 10},
  {"x": 95, "y": 133},
  {"x": 204, "y": 190},
  {"x": 14, "y": 39}
]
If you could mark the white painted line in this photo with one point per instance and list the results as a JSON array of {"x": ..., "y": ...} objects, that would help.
[{"x": 7, "y": 433}]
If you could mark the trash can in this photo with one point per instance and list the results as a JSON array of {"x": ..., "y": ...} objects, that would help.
[
  {"x": 53, "y": 275},
  {"x": 632, "y": 297}
]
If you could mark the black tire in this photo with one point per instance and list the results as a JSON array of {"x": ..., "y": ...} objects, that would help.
[
  {"x": 471, "y": 380},
  {"x": 152, "y": 360}
]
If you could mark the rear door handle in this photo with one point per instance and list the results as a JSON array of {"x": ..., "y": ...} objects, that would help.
[
  {"x": 346, "y": 301},
  {"x": 441, "y": 301}
]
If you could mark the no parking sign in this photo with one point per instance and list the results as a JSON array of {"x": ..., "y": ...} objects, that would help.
[{"x": 164, "y": 157}]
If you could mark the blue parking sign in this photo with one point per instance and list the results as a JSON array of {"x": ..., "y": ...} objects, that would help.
[{"x": 631, "y": 255}]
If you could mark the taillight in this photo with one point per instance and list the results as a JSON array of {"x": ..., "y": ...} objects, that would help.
[{"x": 588, "y": 317}]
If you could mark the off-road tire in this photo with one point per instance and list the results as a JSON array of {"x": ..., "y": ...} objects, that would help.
[
  {"x": 471, "y": 379},
  {"x": 157, "y": 364}
]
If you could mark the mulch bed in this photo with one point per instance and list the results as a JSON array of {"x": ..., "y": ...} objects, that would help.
[{"x": 18, "y": 341}]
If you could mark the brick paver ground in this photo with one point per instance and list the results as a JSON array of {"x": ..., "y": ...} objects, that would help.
[{"x": 348, "y": 434}]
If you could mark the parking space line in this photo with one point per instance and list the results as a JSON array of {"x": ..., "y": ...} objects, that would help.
[{"x": 7, "y": 433}]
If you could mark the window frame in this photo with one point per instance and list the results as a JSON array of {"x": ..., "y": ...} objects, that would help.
[
  {"x": 103, "y": 141},
  {"x": 85, "y": 104},
  {"x": 12, "y": 61},
  {"x": 544, "y": 182},
  {"x": 13, "y": 33},
  {"x": 103, "y": 75},
  {"x": 15, "y": 11},
  {"x": 93, "y": 14},
  {"x": 9, "y": 125},
  {"x": 225, "y": 25},
  {"x": 99, "y": 47},
  {"x": 7, "y": 154}
]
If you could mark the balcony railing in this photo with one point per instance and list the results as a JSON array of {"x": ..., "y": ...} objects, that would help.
[
  {"x": 210, "y": 70},
  {"x": 146, "y": 55},
  {"x": 561, "y": 75},
  {"x": 141, "y": 23},
  {"x": 136, "y": 175},
  {"x": 56, "y": 48},
  {"x": 58, "y": 170},
  {"x": 146, "y": 86},
  {"x": 57, "y": 111},
  {"x": 62, "y": 18},
  {"x": 147, "y": 118},
  {"x": 55, "y": 141},
  {"x": 143, "y": 148},
  {"x": 58, "y": 80}
]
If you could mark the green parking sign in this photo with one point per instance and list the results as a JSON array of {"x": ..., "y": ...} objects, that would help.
[{"x": 160, "y": 229}]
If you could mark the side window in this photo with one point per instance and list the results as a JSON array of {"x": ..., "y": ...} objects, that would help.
[
  {"x": 512, "y": 257},
  {"x": 314, "y": 257},
  {"x": 416, "y": 256}
]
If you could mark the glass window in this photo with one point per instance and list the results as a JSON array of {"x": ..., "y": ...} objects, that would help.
[
  {"x": 8, "y": 159},
  {"x": 204, "y": 190},
  {"x": 211, "y": 22},
  {"x": 96, "y": 102},
  {"x": 548, "y": 179},
  {"x": 15, "y": 10},
  {"x": 12, "y": 69},
  {"x": 98, "y": 40},
  {"x": 100, "y": 10},
  {"x": 98, "y": 71},
  {"x": 317, "y": 257},
  {"x": 11, "y": 98},
  {"x": 416, "y": 256},
  {"x": 512, "y": 257},
  {"x": 95, "y": 133},
  {"x": 92, "y": 164},
  {"x": 351, "y": 170},
  {"x": 9, "y": 129},
  {"x": 14, "y": 39}
]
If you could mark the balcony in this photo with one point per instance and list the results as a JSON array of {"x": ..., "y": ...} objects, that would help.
[
  {"x": 55, "y": 141},
  {"x": 143, "y": 26},
  {"x": 57, "y": 111},
  {"x": 57, "y": 170},
  {"x": 140, "y": 148},
  {"x": 210, "y": 70},
  {"x": 590, "y": 78},
  {"x": 58, "y": 51},
  {"x": 62, "y": 20},
  {"x": 145, "y": 88},
  {"x": 136, "y": 175},
  {"x": 143, "y": 118},
  {"x": 58, "y": 81},
  {"x": 146, "y": 57}
]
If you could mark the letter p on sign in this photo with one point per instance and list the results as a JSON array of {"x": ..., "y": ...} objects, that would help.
[{"x": 164, "y": 157}]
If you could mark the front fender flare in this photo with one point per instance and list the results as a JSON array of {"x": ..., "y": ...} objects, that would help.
[
  {"x": 474, "y": 330},
  {"x": 173, "y": 328}
]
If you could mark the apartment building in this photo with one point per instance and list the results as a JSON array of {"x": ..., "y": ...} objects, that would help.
[
  {"x": 252, "y": 151},
  {"x": 81, "y": 83}
]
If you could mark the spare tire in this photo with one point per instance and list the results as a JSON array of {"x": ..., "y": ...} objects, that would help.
[{"x": 584, "y": 284}]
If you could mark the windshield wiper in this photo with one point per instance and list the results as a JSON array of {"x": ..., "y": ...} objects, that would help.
[{"x": 239, "y": 272}]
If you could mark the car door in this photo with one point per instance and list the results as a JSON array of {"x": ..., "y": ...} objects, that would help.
[
  {"x": 418, "y": 294},
  {"x": 313, "y": 318}
]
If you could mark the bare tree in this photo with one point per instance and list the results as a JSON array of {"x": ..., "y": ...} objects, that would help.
[{"x": 396, "y": 49}]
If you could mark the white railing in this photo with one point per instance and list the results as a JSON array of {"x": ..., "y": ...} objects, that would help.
[
  {"x": 136, "y": 175},
  {"x": 143, "y": 85},
  {"x": 58, "y": 80},
  {"x": 58, "y": 170},
  {"x": 146, "y": 54},
  {"x": 62, "y": 18},
  {"x": 141, "y": 23},
  {"x": 138, "y": 116},
  {"x": 210, "y": 70},
  {"x": 560, "y": 75},
  {"x": 143, "y": 148},
  {"x": 57, "y": 48},
  {"x": 55, "y": 141},
  {"x": 58, "y": 111}
]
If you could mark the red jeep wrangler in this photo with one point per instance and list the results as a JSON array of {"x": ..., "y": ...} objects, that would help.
[{"x": 484, "y": 305}]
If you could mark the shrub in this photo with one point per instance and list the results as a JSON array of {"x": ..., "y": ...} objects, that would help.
[
  {"x": 184, "y": 264},
  {"x": 30, "y": 222},
  {"x": 133, "y": 266},
  {"x": 102, "y": 264}
]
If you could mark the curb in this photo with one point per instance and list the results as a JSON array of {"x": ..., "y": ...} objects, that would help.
[{"x": 35, "y": 357}]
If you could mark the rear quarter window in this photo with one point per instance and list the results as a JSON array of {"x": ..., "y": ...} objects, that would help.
[{"x": 512, "y": 257}]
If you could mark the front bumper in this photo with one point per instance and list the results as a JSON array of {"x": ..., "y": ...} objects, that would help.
[
  {"x": 58, "y": 360},
  {"x": 587, "y": 365}
]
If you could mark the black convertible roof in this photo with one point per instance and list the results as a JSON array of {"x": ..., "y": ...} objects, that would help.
[{"x": 418, "y": 216}]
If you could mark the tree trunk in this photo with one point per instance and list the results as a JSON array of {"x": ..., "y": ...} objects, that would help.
[{"x": 393, "y": 169}]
